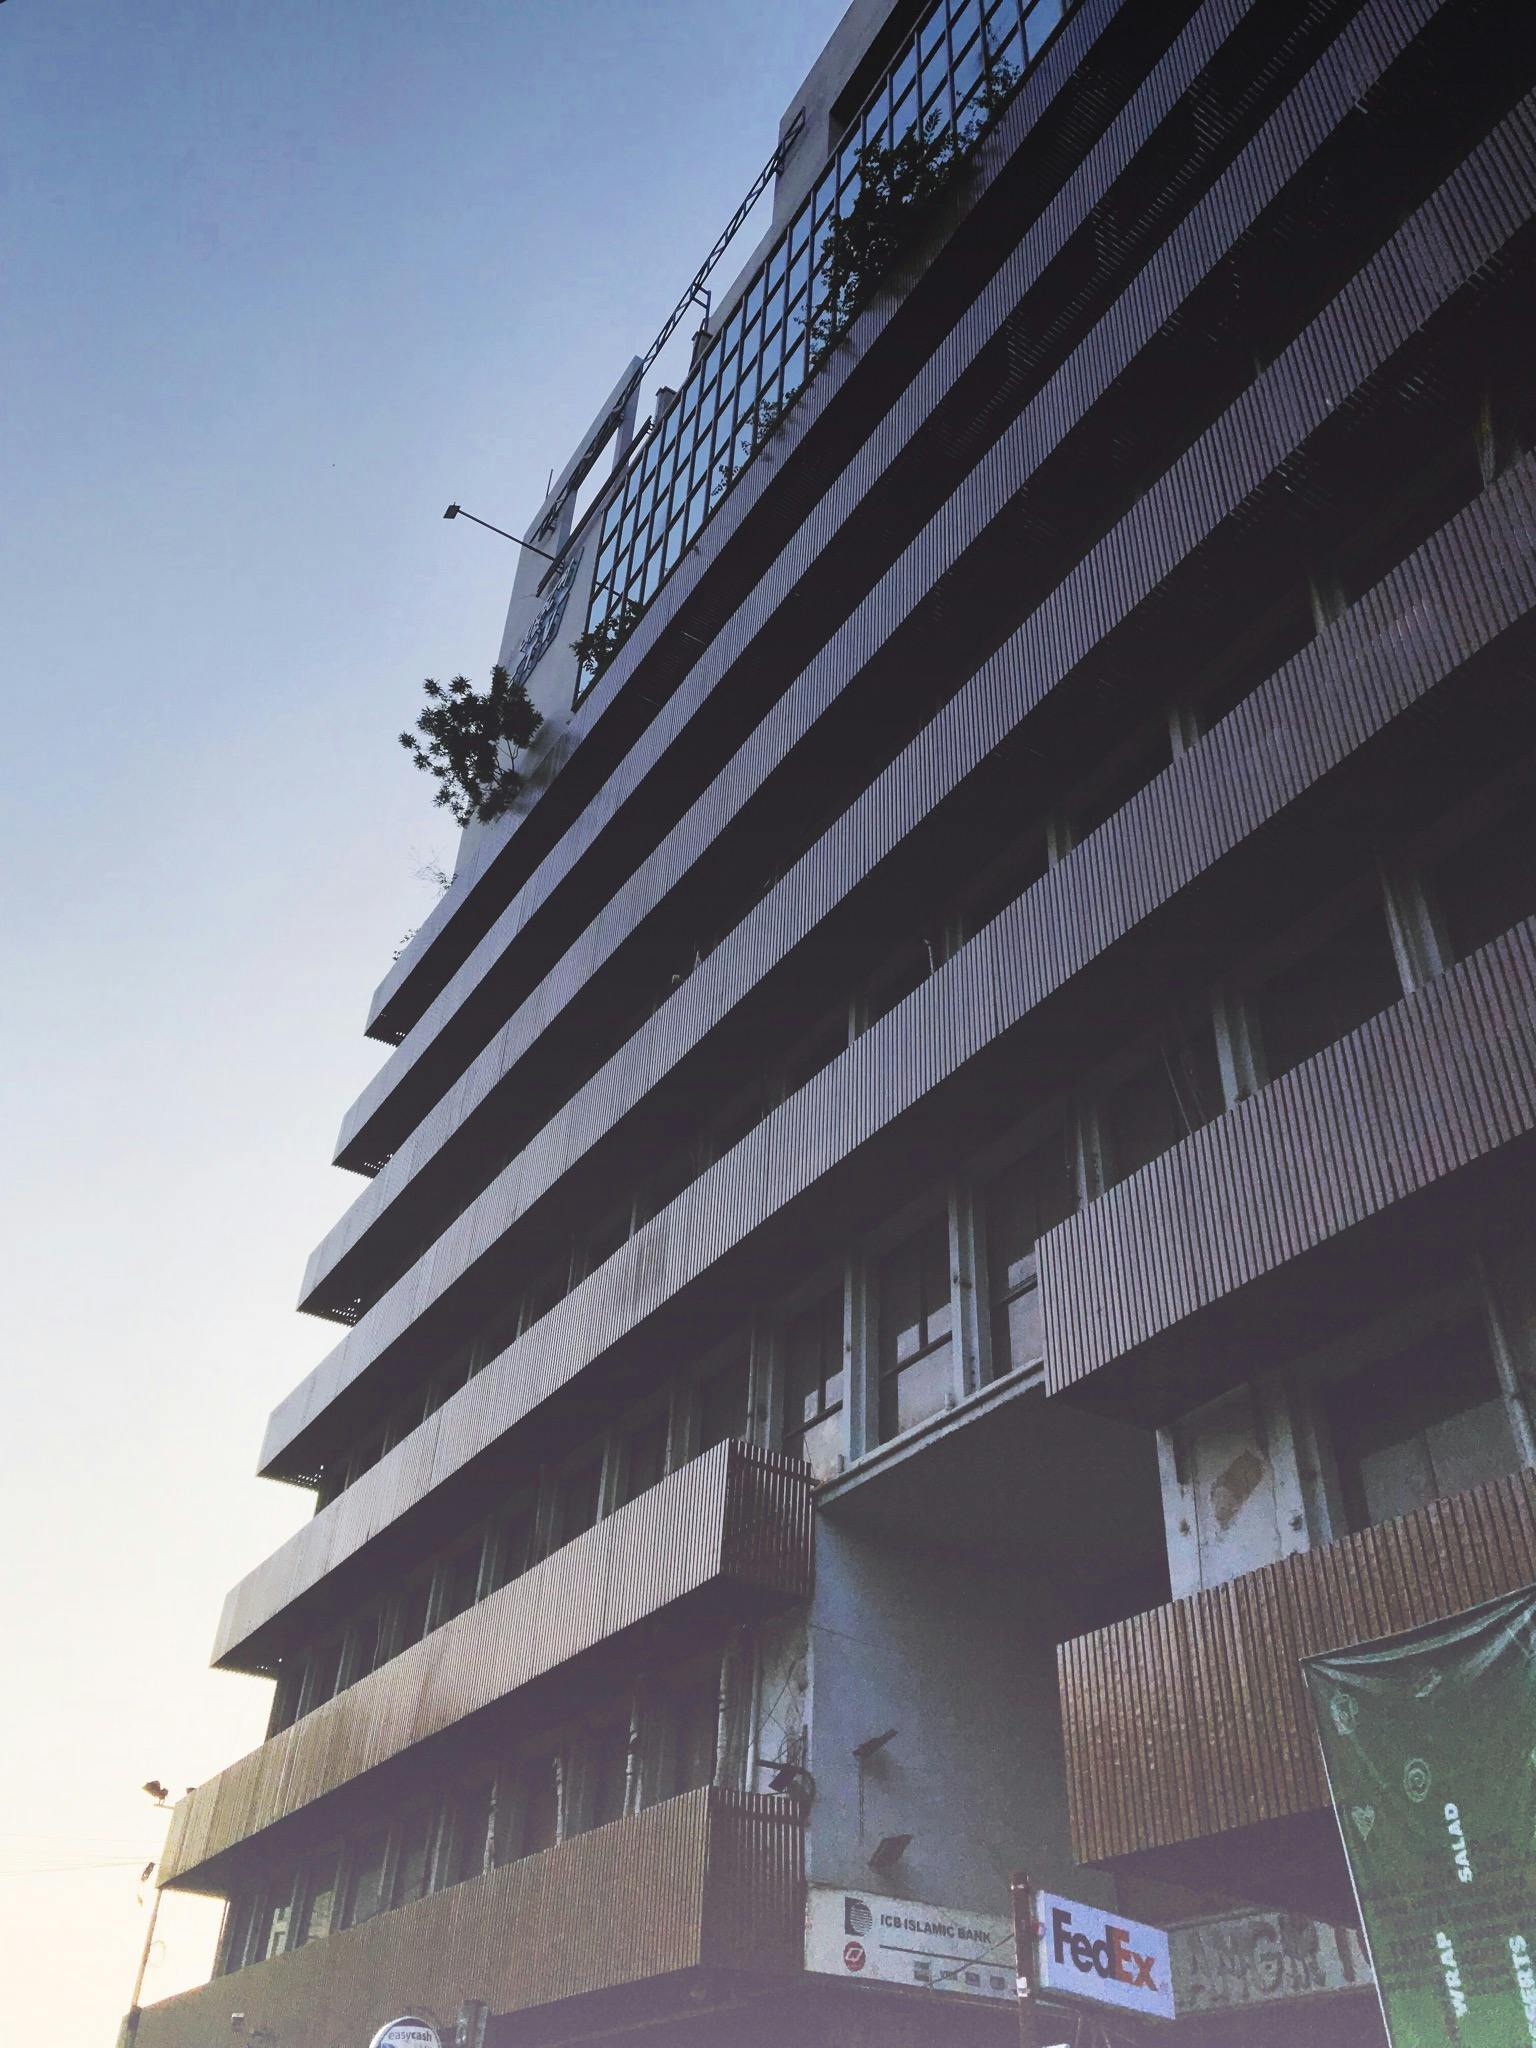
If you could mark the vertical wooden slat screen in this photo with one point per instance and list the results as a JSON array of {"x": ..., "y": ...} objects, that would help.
[
  {"x": 1191, "y": 1719},
  {"x": 737, "y": 1514},
  {"x": 711, "y": 1877},
  {"x": 1438, "y": 1080}
]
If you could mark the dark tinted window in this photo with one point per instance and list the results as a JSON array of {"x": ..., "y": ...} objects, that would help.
[
  {"x": 1327, "y": 992},
  {"x": 813, "y": 1385},
  {"x": 1024, "y": 1201},
  {"x": 916, "y": 1347},
  {"x": 1488, "y": 883},
  {"x": 1427, "y": 1422}
]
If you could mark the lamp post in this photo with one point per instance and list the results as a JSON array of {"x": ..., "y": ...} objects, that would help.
[
  {"x": 458, "y": 512},
  {"x": 161, "y": 1798}
]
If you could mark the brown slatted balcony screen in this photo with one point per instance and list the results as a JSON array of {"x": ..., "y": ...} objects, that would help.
[
  {"x": 1191, "y": 1719},
  {"x": 736, "y": 1514},
  {"x": 710, "y": 1878}
]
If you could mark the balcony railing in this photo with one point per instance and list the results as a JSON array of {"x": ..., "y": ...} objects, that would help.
[
  {"x": 1191, "y": 1720},
  {"x": 737, "y": 1516},
  {"x": 1135, "y": 1285},
  {"x": 708, "y": 1879}
]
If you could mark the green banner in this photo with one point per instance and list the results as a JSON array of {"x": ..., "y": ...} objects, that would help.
[{"x": 1430, "y": 1743}]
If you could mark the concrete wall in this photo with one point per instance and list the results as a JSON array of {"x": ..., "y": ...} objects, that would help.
[{"x": 944, "y": 1652}]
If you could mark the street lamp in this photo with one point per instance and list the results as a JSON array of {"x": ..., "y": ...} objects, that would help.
[{"x": 161, "y": 1797}]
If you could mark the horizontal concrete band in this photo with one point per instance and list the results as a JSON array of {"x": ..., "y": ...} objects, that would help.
[
  {"x": 710, "y": 1878},
  {"x": 1184, "y": 262},
  {"x": 1392, "y": 649},
  {"x": 735, "y": 1513},
  {"x": 1439, "y": 1080},
  {"x": 1422, "y": 267},
  {"x": 1191, "y": 1719},
  {"x": 496, "y": 849},
  {"x": 908, "y": 584}
]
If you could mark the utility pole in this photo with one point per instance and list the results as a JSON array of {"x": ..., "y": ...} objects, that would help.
[{"x": 1022, "y": 1894}]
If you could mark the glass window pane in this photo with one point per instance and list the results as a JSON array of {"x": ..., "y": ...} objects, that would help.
[
  {"x": 1334, "y": 986},
  {"x": 542, "y": 1804},
  {"x": 366, "y": 1889},
  {"x": 469, "y": 1832},
  {"x": 723, "y": 1405},
  {"x": 647, "y": 1455},
  {"x": 607, "y": 1771},
  {"x": 320, "y": 1899},
  {"x": 413, "y": 1861},
  {"x": 580, "y": 1497},
  {"x": 910, "y": 1396}
]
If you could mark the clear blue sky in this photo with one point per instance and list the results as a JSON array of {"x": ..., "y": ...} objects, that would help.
[{"x": 280, "y": 278}]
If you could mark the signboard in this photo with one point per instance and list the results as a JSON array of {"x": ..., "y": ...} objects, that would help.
[
  {"x": 407, "y": 2033},
  {"x": 864, "y": 1938},
  {"x": 1087, "y": 1953},
  {"x": 1430, "y": 1744},
  {"x": 1235, "y": 1961}
]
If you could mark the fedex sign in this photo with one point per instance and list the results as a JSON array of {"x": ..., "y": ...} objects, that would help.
[{"x": 1088, "y": 1953}]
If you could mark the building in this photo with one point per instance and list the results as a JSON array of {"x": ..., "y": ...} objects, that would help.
[{"x": 953, "y": 1190}]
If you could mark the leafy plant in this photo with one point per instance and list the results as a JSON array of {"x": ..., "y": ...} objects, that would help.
[
  {"x": 468, "y": 739},
  {"x": 596, "y": 648},
  {"x": 900, "y": 195}
]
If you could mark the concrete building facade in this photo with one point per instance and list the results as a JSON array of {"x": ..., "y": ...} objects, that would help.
[{"x": 952, "y": 1191}]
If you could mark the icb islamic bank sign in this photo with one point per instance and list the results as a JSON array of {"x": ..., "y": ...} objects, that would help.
[{"x": 1430, "y": 1744}]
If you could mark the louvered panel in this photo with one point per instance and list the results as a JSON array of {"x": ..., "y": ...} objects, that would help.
[
  {"x": 1435, "y": 1082},
  {"x": 709, "y": 1878},
  {"x": 1340, "y": 76},
  {"x": 1191, "y": 1720},
  {"x": 737, "y": 1515}
]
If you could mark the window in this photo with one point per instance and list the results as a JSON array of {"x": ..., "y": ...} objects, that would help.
[
  {"x": 645, "y": 1454},
  {"x": 322, "y": 1675},
  {"x": 916, "y": 1330},
  {"x": 1173, "y": 1092},
  {"x": 581, "y": 1495},
  {"x": 413, "y": 1860},
  {"x": 365, "y": 1886},
  {"x": 366, "y": 1639},
  {"x": 513, "y": 1542},
  {"x": 607, "y": 1773},
  {"x": 906, "y": 969},
  {"x": 320, "y": 1893},
  {"x": 1025, "y": 1200},
  {"x": 461, "y": 1580},
  {"x": 237, "y": 1932},
  {"x": 693, "y": 1733},
  {"x": 1488, "y": 883},
  {"x": 468, "y": 1832},
  {"x": 1130, "y": 770},
  {"x": 723, "y": 1405},
  {"x": 1326, "y": 992},
  {"x": 533, "y": 1820},
  {"x": 813, "y": 1385},
  {"x": 1426, "y": 1422},
  {"x": 415, "y": 1603},
  {"x": 277, "y": 1922}
]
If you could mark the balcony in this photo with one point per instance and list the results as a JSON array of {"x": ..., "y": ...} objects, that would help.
[
  {"x": 730, "y": 1528},
  {"x": 1190, "y": 1721},
  {"x": 1297, "y": 1209},
  {"x": 711, "y": 1879}
]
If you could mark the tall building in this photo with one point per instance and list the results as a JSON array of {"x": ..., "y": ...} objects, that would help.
[{"x": 953, "y": 1188}]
